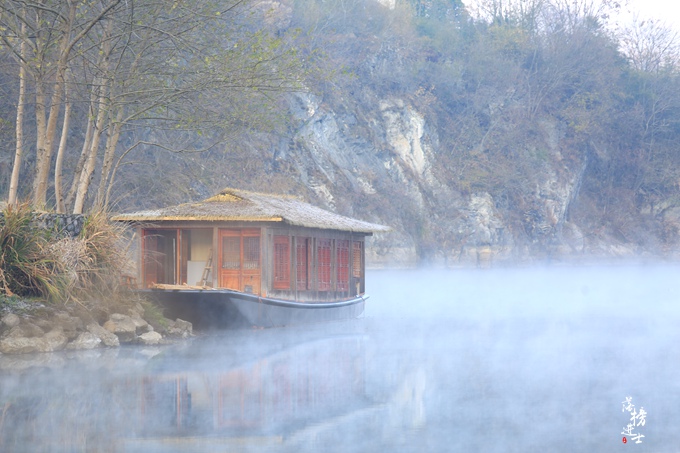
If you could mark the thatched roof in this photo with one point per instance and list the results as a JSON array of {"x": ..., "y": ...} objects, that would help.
[{"x": 244, "y": 206}]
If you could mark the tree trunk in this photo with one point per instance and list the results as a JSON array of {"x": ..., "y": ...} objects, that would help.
[
  {"x": 40, "y": 125},
  {"x": 86, "y": 174},
  {"x": 111, "y": 143},
  {"x": 58, "y": 195},
  {"x": 18, "y": 154},
  {"x": 44, "y": 158},
  {"x": 84, "y": 152}
]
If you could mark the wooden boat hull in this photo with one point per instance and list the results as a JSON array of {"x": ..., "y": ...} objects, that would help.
[{"x": 226, "y": 308}]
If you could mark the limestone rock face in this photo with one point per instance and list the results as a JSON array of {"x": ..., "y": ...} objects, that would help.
[
  {"x": 404, "y": 127},
  {"x": 462, "y": 199},
  {"x": 484, "y": 218}
]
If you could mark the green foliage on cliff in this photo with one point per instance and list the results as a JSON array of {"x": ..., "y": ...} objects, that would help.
[{"x": 537, "y": 104}]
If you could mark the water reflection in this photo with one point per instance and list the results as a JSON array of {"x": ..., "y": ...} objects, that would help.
[
  {"x": 494, "y": 361},
  {"x": 271, "y": 395},
  {"x": 244, "y": 387}
]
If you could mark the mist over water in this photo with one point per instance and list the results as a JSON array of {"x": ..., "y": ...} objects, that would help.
[{"x": 464, "y": 360}]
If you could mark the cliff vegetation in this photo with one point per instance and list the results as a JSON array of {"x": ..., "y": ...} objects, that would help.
[{"x": 525, "y": 130}]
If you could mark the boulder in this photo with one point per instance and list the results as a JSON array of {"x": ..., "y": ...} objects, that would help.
[
  {"x": 180, "y": 328},
  {"x": 16, "y": 343},
  {"x": 26, "y": 330},
  {"x": 150, "y": 338},
  {"x": 44, "y": 324},
  {"x": 109, "y": 339},
  {"x": 137, "y": 309},
  {"x": 141, "y": 326},
  {"x": 85, "y": 340},
  {"x": 122, "y": 326},
  {"x": 10, "y": 320},
  {"x": 21, "y": 345},
  {"x": 55, "y": 340},
  {"x": 70, "y": 325},
  {"x": 68, "y": 322},
  {"x": 31, "y": 330}
]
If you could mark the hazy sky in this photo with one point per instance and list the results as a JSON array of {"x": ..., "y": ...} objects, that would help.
[{"x": 667, "y": 11}]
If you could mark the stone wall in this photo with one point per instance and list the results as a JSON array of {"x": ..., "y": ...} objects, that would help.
[
  {"x": 69, "y": 225},
  {"x": 65, "y": 225}
]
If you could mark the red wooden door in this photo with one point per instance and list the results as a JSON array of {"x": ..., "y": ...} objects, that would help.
[{"x": 240, "y": 261}]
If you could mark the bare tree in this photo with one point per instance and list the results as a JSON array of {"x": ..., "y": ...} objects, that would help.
[
  {"x": 137, "y": 66},
  {"x": 18, "y": 155},
  {"x": 650, "y": 46}
]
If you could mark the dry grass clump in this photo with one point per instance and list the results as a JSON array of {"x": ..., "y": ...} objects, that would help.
[
  {"x": 105, "y": 256},
  {"x": 27, "y": 267},
  {"x": 36, "y": 262}
]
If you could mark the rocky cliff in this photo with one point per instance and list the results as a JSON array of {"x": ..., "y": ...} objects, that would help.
[
  {"x": 382, "y": 164},
  {"x": 478, "y": 143}
]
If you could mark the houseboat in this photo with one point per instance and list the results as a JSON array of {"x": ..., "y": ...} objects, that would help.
[{"x": 263, "y": 259}]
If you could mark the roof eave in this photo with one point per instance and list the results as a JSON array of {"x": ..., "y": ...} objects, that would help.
[{"x": 130, "y": 218}]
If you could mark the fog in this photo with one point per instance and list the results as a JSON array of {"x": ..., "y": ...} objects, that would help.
[{"x": 460, "y": 360}]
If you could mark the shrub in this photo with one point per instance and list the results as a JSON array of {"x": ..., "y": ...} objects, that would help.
[
  {"x": 27, "y": 266},
  {"x": 105, "y": 253},
  {"x": 37, "y": 262}
]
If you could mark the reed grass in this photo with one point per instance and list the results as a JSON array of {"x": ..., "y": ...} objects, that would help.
[
  {"x": 105, "y": 256},
  {"x": 27, "y": 267},
  {"x": 36, "y": 262}
]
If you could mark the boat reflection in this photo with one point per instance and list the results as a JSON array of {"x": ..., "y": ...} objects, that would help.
[
  {"x": 300, "y": 390},
  {"x": 270, "y": 395}
]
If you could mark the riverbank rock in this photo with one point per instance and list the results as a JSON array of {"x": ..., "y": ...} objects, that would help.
[
  {"x": 55, "y": 340},
  {"x": 71, "y": 325},
  {"x": 17, "y": 342},
  {"x": 141, "y": 326},
  {"x": 150, "y": 338},
  {"x": 109, "y": 339},
  {"x": 52, "y": 328},
  {"x": 26, "y": 330},
  {"x": 11, "y": 320},
  {"x": 180, "y": 328},
  {"x": 86, "y": 340},
  {"x": 122, "y": 326},
  {"x": 21, "y": 345}
]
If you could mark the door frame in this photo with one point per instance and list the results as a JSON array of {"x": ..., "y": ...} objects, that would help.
[{"x": 242, "y": 278}]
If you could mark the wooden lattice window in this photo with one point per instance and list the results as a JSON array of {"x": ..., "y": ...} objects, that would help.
[
  {"x": 281, "y": 262},
  {"x": 323, "y": 261},
  {"x": 342, "y": 254},
  {"x": 251, "y": 252},
  {"x": 356, "y": 259},
  {"x": 231, "y": 252},
  {"x": 301, "y": 264}
]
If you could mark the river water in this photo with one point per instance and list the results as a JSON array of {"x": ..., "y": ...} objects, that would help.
[{"x": 520, "y": 360}]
